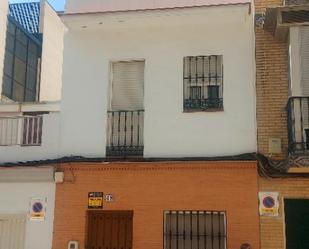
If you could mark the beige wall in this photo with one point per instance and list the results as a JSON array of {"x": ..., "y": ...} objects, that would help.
[
  {"x": 3, "y": 19},
  {"x": 273, "y": 228},
  {"x": 52, "y": 53}
]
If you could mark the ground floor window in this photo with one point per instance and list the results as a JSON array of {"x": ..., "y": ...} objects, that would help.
[{"x": 194, "y": 230}]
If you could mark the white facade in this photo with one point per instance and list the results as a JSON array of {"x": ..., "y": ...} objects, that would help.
[
  {"x": 52, "y": 51},
  {"x": 16, "y": 193},
  {"x": 52, "y": 54},
  {"x": 3, "y": 20},
  {"x": 162, "y": 38},
  {"x": 48, "y": 149}
]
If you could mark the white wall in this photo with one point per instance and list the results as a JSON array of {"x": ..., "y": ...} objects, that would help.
[
  {"x": 3, "y": 19},
  {"x": 82, "y": 6},
  {"x": 52, "y": 54},
  {"x": 48, "y": 150},
  {"x": 162, "y": 39},
  {"x": 15, "y": 199}
]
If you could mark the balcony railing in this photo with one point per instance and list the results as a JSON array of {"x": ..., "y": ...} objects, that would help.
[
  {"x": 125, "y": 133},
  {"x": 298, "y": 124},
  {"x": 23, "y": 130}
]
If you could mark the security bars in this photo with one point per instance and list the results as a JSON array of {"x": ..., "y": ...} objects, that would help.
[
  {"x": 203, "y": 83},
  {"x": 194, "y": 230},
  {"x": 298, "y": 124},
  {"x": 24, "y": 130},
  {"x": 125, "y": 133}
]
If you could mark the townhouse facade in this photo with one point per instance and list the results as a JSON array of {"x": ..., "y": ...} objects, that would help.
[
  {"x": 31, "y": 37},
  {"x": 282, "y": 48},
  {"x": 157, "y": 126}
]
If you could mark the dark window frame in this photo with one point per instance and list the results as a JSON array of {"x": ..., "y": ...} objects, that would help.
[
  {"x": 202, "y": 236},
  {"x": 22, "y": 54},
  {"x": 203, "y": 72}
]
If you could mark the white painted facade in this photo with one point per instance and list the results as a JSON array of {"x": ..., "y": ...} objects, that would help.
[
  {"x": 52, "y": 51},
  {"x": 49, "y": 148},
  {"x": 3, "y": 20},
  {"x": 15, "y": 196},
  {"x": 162, "y": 38},
  {"x": 52, "y": 54}
]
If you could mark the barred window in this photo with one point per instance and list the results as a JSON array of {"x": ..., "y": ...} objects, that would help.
[
  {"x": 203, "y": 83},
  {"x": 194, "y": 230}
]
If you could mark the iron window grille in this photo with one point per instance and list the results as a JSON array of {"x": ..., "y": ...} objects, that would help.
[
  {"x": 125, "y": 131},
  {"x": 203, "y": 82},
  {"x": 21, "y": 64},
  {"x": 195, "y": 229}
]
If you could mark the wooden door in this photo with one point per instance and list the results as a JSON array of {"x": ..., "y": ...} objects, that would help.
[{"x": 109, "y": 230}]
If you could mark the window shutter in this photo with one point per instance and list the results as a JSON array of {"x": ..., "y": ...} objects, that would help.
[
  {"x": 127, "y": 86},
  {"x": 304, "y": 53}
]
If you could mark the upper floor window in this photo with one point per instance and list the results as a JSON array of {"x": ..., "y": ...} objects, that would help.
[
  {"x": 21, "y": 64},
  {"x": 203, "y": 83}
]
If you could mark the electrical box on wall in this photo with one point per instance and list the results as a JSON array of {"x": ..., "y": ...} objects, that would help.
[
  {"x": 73, "y": 244},
  {"x": 59, "y": 177},
  {"x": 274, "y": 146}
]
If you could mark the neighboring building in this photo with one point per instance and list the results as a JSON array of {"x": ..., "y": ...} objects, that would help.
[
  {"x": 31, "y": 86},
  {"x": 31, "y": 38},
  {"x": 157, "y": 118},
  {"x": 282, "y": 57}
]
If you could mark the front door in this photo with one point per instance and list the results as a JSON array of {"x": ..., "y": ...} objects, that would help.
[
  {"x": 297, "y": 223},
  {"x": 109, "y": 230}
]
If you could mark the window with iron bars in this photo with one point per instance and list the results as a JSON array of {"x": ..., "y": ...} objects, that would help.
[
  {"x": 203, "y": 83},
  {"x": 194, "y": 230}
]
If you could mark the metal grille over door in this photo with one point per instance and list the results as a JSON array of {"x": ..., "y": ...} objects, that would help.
[{"x": 110, "y": 230}]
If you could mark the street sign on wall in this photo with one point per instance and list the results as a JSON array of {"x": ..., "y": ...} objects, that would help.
[
  {"x": 95, "y": 200},
  {"x": 37, "y": 209},
  {"x": 269, "y": 203}
]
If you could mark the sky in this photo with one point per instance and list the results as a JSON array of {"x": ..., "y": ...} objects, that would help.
[{"x": 57, "y": 4}]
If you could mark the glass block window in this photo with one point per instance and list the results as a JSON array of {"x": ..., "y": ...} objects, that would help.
[
  {"x": 203, "y": 83},
  {"x": 21, "y": 64},
  {"x": 195, "y": 230}
]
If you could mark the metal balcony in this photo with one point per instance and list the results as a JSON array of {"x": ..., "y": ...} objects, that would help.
[
  {"x": 125, "y": 133},
  {"x": 298, "y": 124},
  {"x": 23, "y": 130}
]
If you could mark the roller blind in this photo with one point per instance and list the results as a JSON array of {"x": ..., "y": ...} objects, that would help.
[
  {"x": 304, "y": 53},
  {"x": 127, "y": 85}
]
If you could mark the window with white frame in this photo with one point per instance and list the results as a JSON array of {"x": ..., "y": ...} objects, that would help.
[
  {"x": 194, "y": 229},
  {"x": 203, "y": 83}
]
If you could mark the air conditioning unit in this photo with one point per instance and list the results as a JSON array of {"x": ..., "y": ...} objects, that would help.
[{"x": 73, "y": 244}]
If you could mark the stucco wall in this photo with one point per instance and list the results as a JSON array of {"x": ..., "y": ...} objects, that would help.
[
  {"x": 3, "y": 20},
  {"x": 162, "y": 42},
  {"x": 15, "y": 199},
  {"x": 48, "y": 150},
  {"x": 52, "y": 54},
  {"x": 151, "y": 188},
  {"x": 81, "y": 6}
]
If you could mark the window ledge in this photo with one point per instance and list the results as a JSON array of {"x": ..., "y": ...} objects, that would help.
[{"x": 204, "y": 110}]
